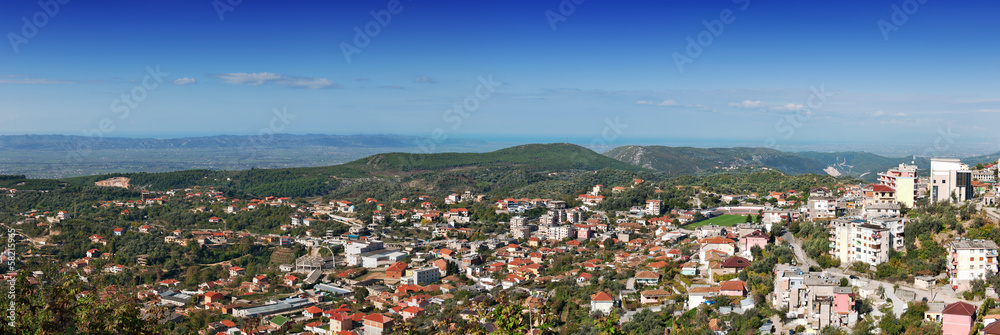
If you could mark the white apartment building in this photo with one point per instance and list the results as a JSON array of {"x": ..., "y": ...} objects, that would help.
[
  {"x": 857, "y": 240},
  {"x": 653, "y": 207},
  {"x": 969, "y": 260},
  {"x": 949, "y": 176},
  {"x": 424, "y": 276},
  {"x": 560, "y": 232}
]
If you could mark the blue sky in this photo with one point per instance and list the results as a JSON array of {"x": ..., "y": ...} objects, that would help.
[{"x": 605, "y": 75}]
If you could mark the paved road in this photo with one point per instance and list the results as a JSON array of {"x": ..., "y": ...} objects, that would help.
[{"x": 800, "y": 255}]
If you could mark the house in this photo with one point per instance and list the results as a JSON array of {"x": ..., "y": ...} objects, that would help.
[
  {"x": 411, "y": 312},
  {"x": 689, "y": 269},
  {"x": 146, "y": 229},
  {"x": 236, "y": 271},
  {"x": 733, "y": 288},
  {"x": 118, "y": 231},
  {"x": 958, "y": 318},
  {"x": 93, "y": 253},
  {"x": 602, "y": 302},
  {"x": 341, "y": 322},
  {"x": 653, "y": 296},
  {"x": 698, "y": 295},
  {"x": 312, "y": 312},
  {"x": 647, "y": 278},
  {"x": 735, "y": 264},
  {"x": 715, "y": 243},
  {"x": 757, "y": 238},
  {"x": 213, "y": 298},
  {"x": 395, "y": 271},
  {"x": 291, "y": 280},
  {"x": 378, "y": 324},
  {"x": 170, "y": 282}
]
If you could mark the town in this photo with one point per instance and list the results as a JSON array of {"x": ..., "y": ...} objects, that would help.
[{"x": 905, "y": 253}]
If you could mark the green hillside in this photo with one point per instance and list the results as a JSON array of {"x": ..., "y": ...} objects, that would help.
[
  {"x": 532, "y": 157},
  {"x": 511, "y": 167},
  {"x": 688, "y": 160}
]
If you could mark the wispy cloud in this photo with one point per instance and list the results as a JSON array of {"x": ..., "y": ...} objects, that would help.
[
  {"x": 747, "y": 104},
  {"x": 397, "y": 87},
  {"x": 185, "y": 81},
  {"x": 18, "y": 78},
  {"x": 425, "y": 80},
  {"x": 257, "y": 79},
  {"x": 661, "y": 103},
  {"x": 789, "y": 107}
]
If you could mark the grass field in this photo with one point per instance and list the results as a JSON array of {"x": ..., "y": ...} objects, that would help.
[{"x": 725, "y": 220}]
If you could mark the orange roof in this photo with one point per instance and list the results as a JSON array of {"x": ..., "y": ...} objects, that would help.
[
  {"x": 601, "y": 296},
  {"x": 716, "y": 240},
  {"x": 733, "y": 285}
]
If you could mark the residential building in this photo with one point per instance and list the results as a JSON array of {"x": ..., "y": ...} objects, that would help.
[
  {"x": 958, "y": 318},
  {"x": 950, "y": 180},
  {"x": 822, "y": 208},
  {"x": 602, "y": 302},
  {"x": 903, "y": 179},
  {"x": 969, "y": 260},
  {"x": 653, "y": 207},
  {"x": 647, "y": 278},
  {"x": 378, "y": 324},
  {"x": 424, "y": 276}
]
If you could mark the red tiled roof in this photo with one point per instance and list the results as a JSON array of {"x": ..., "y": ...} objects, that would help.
[
  {"x": 960, "y": 308},
  {"x": 736, "y": 262},
  {"x": 732, "y": 285}
]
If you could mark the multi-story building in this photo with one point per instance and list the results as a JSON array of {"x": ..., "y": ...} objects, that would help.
[
  {"x": 856, "y": 240},
  {"x": 903, "y": 179},
  {"x": 895, "y": 227},
  {"x": 653, "y": 207},
  {"x": 878, "y": 194},
  {"x": 424, "y": 276},
  {"x": 822, "y": 208},
  {"x": 817, "y": 296},
  {"x": 969, "y": 260},
  {"x": 560, "y": 232},
  {"x": 950, "y": 180}
]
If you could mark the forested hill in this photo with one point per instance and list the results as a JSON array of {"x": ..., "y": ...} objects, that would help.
[
  {"x": 521, "y": 165},
  {"x": 532, "y": 157},
  {"x": 677, "y": 161}
]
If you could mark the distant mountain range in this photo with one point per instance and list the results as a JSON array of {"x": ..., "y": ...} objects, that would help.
[
  {"x": 62, "y": 142},
  {"x": 45, "y": 156}
]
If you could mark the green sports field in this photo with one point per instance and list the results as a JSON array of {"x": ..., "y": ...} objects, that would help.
[{"x": 724, "y": 220}]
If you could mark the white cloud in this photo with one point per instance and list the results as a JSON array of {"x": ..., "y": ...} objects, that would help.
[
  {"x": 313, "y": 83},
  {"x": 185, "y": 81},
  {"x": 700, "y": 107},
  {"x": 425, "y": 79},
  {"x": 878, "y": 113},
  {"x": 257, "y": 79},
  {"x": 900, "y": 114},
  {"x": 33, "y": 81},
  {"x": 667, "y": 102},
  {"x": 790, "y": 107},
  {"x": 747, "y": 104}
]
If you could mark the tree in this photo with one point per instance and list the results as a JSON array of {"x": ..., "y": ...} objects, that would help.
[
  {"x": 360, "y": 293},
  {"x": 508, "y": 320}
]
